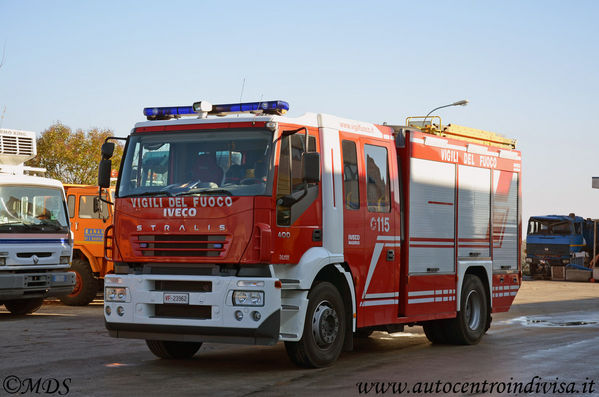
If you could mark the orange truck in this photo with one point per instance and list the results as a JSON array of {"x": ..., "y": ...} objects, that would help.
[{"x": 89, "y": 218}]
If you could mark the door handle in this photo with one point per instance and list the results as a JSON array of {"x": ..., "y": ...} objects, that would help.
[
  {"x": 390, "y": 255},
  {"x": 76, "y": 225}
]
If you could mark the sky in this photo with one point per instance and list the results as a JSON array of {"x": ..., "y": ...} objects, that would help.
[{"x": 530, "y": 70}]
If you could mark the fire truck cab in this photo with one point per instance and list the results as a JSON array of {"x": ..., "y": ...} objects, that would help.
[{"x": 306, "y": 230}]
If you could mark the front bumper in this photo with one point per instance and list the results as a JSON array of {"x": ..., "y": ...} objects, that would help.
[
  {"x": 208, "y": 316},
  {"x": 36, "y": 285}
]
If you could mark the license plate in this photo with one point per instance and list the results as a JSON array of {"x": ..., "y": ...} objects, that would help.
[
  {"x": 61, "y": 278},
  {"x": 175, "y": 299}
]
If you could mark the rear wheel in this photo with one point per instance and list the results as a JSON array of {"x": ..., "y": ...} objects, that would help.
[
  {"x": 363, "y": 332},
  {"x": 86, "y": 286},
  {"x": 324, "y": 329},
  {"x": 173, "y": 350},
  {"x": 435, "y": 331},
  {"x": 23, "y": 306},
  {"x": 471, "y": 322}
]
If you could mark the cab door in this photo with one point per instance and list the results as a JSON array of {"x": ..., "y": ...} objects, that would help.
[
  {"x": 371, "y": 243},
  {"x": 298, "y": 216},
  {"x": 92, "y": 218}
]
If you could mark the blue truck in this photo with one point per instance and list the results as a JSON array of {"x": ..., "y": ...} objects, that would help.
[{"x": 559, "y": 240}]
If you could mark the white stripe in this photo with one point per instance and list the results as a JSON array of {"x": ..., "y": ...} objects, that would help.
[
  {"x": 448, "y": 243},
  {"x": 417, "y": 140},
  {"x": 513, "y": 293},
  {"x": 439, "y": 292},
  {"x": 380, "y": 303},
  {"x": 420, "y": 293},
  {"x": 393, "y": 245},
  {"x": 438, "y": 299},
  {"x": 378, "y": 248},
  {"x": 388, "y": 238},
  {"x": 421, "y": 300},
  {"x": 383, "y": 295},
  {"x": 515, "y": 287}
]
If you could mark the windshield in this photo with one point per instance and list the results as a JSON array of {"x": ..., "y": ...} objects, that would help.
[
  {"x": 32, "y": 209},
  {"x": 549, "y": 227},
  {"x": 230, "y": 162}
]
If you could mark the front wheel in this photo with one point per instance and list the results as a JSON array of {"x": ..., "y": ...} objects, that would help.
[
  {"x": 471, "y": 322},
  {"x": 173, "y": 350},
  {"x": 86, "y": 285},
  {"x": 23, "y": 306},
  {"x": 324, "y": 329}
]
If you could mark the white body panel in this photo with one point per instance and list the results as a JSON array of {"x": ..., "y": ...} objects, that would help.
[
  {"x": 474, "y": 211},
  {"x": 432, "y": 223},
  {"x": 505, "y": 220}
]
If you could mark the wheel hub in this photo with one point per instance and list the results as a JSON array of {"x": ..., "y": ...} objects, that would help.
[
  {"x": 473, "y": 310},
  {"x": 325, "y": 324}
]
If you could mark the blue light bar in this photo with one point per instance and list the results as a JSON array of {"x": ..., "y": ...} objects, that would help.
[
  {"x": 168, "y": 112},
  {"x": 201, "y": 109},
  {"x": 268, "y": 107}
]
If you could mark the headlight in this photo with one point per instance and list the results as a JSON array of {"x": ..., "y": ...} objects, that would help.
[
  {"x": 64, "y": 260},
  {"x": 116, "y": 294},
  {"x": 2, "y": 261},
  {"x": 528, "y": 260},
  {"x": 248, "y": 298},
  {"x": 565, "y": 261}
]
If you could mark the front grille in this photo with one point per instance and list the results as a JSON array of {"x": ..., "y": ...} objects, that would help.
[
  {"x": 30, "y": 254},
  {"x": 552, "y": 250},
  {"x": 183, "y": 286},
  {"x": 182, "y": 245},
  {"x": 198, "y": 312},
  {"x": 41, "y": 281}
]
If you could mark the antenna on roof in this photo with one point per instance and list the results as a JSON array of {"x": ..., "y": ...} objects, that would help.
[
  {"x": 2, "y": 117},
  {"x": 242, "y": 87}
]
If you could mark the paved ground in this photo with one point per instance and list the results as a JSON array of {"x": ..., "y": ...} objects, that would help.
[{"x": 551, "y": 332}]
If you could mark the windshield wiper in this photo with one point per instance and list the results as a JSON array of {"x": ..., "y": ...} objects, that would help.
[
  {"x": 206, "y": 191},
  {"x": 51, "y": 224},
  {"x": 28, "y": 226},
  {"x": 152, "y": 193}
]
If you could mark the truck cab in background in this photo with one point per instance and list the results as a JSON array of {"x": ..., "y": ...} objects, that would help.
[
  {"x": 35, "y": 239},
  {"x": 89, "y": 219},
  {"x": 558, "y": 241}
]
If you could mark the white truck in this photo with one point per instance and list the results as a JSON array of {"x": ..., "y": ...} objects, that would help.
[{"x": 35, "y": 237}]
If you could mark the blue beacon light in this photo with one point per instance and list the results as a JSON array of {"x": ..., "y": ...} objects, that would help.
[
  {"x": 167, "y": 112},
  {"x": 203, "y": 108}
]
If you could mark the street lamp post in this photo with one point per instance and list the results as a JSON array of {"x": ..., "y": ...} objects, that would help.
[{"x": 463, "y": 102}]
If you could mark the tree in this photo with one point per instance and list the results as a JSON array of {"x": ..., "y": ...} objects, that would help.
[{"x": 73, "y": 157}]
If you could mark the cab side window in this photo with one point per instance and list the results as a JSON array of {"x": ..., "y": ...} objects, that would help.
[
  {"x": 86, "y": 208},
  {"x": 377, "y": 179},
  {"x": 351, "y": 186},
  {"x": 71, "y": 205},
  {"x": 290, "y": 179}
]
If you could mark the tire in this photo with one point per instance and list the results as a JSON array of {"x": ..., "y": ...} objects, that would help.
[
  {"x": 173, "y": 350},
  {"x": 471, "y": 322},
  {"x": 435, "y": 331},
  {"x": 363, "y": 333},
  {"x": 324, "y": 329},
  {"x": 86, "y": 286},
  {"x": 23, "y": 306}
]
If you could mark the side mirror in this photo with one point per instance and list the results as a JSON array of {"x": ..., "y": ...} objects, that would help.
[
  {"x": 104, "y": 171},
  {"x": 311, "y": 167},
  {"x": 107, "y": 150},
  {"x": 97, "y": 206}
]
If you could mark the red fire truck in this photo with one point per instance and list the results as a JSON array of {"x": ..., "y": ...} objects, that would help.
[{"x": 262, "y": 228}]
